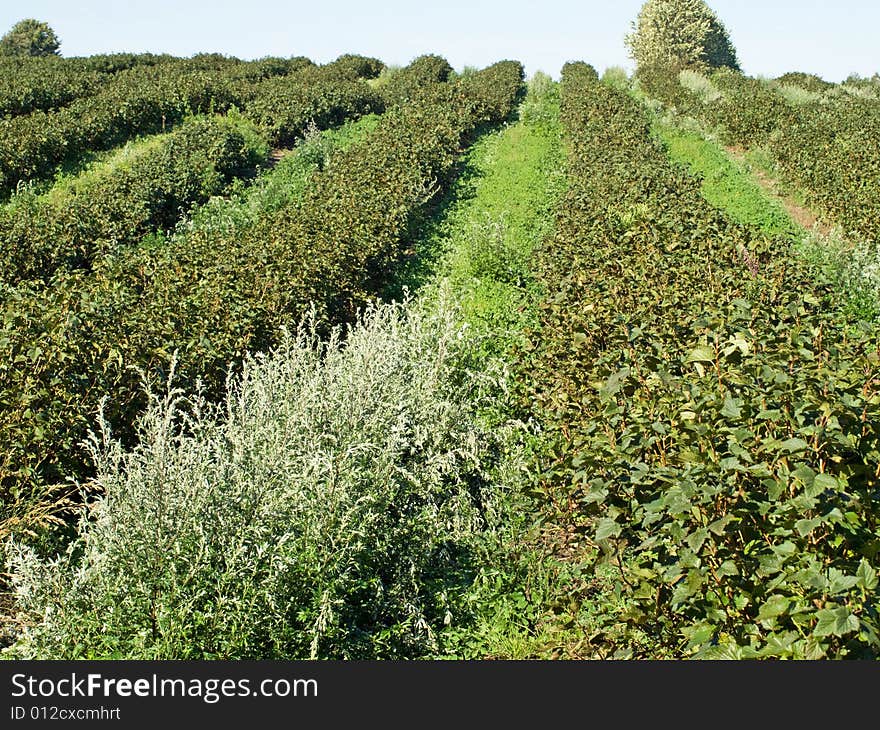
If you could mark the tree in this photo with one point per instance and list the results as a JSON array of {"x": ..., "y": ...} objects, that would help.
[
  {"x": 680, "y": 34},
  {"x": 30, "y": 37}
]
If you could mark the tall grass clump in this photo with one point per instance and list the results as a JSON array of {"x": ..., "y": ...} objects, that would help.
[
  {"x": 617, "y": 78},
  {"x": 333, "y": 506},
  {"x": 851, "y": 267},
  {"x": 535, "y": 108},
  {"x": 797, "y": 95},
  {"x": 699, "y": 85}
]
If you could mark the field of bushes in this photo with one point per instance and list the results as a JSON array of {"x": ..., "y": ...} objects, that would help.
[{"x": 353, "y": 361}]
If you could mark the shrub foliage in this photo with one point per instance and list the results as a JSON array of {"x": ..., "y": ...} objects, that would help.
[
  {"x": 330, "y": 508},
  {"x": 713, "y": 421},
  {"x": 680, "y": 34},
  {"x": 220, "y": 293}
]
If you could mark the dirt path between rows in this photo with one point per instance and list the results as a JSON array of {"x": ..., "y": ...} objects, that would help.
[{"x": 800, "y": 214}]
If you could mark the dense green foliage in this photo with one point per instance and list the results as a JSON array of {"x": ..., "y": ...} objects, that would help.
[
  {"x": 143, "y": 100},
  {"x": 285, "y": 106},
  {"x": 680, "y": 34},
  {"x": 831, "y": 152},
  {"x": 30, "y": 37},
  {"x": 824, "y": 145},
  {"x": 43, "y": 83},
  {"x": 713, "y": 422},
  {"x": 359, "y": 67},
  {"x": 133, "y": 194},
  {"x": 406, "y": 83},
  {"x": 150, "y": 98},
  {"x": 219, "y": 294},
  {"x": 810, "y": 82}
]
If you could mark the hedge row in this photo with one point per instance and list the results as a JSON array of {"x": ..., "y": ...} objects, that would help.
[
  {"x": 405, "y": 84},
  {"x": 28, "y": 84},
  {"x": 140, "y": 101},
  {"x": 832, "y": 153},
  {"x": 284, "y": 107},
  {"x": 714, "y": 427},
  {"x": 219, "y": 293},
  {"x": 827, "y": 147},
  {"x": 141, "y": 192},
  {"x": 147, "y": 100},
  {"x": 31, "y": 83}
]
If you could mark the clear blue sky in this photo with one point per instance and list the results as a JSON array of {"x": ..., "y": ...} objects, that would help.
[{"x": 772, "y": 36}]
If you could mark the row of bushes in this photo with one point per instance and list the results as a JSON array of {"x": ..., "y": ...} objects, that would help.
[
  {"x": 138, "y": 192},
  {"x": 825, "y": 145},
  {"x": 282, "y": 108},
  {"x": 29, "y": 83},
  {"x": 713, "y": 425},
  {"x": 145, "y": 100},
  {"x": 831, "y": 152},
  {"x": 219, "y": 293}
]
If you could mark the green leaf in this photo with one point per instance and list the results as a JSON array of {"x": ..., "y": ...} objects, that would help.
[
  {"x": 826, "y": 481},
  {"x": 805, "y": 527},
  {"x": 794, "y": 444},
  {"x": 701, "y": 354},
  {"x": 732, "y": 408},
  {"x": 605, "y": 528},
  {"x": 774, "y": 606},
  {"x": 835, "y": 622},
  {"x": 866, "y": 576}
]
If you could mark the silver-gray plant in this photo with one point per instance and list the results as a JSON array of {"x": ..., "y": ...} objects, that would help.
[{"x": 332, "y": 506}]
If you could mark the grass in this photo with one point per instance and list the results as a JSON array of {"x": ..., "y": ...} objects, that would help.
[
  {"x": 726, "y": 184},
  {"x": 498, "y": 211}
]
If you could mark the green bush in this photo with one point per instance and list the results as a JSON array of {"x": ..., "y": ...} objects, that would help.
[
  {"x": 830, "y": 152},
  {"x": 30, "y": 37},
  {"x": 330, "y": 507},
  {"x": 28, "y": 84},
  {"x": 358, "y": 67},
  {"x": 808, "y": 82},
  {"x": 140, "y": 192},
  {"x": 405, "y": 84},
  {"x": 676, "y": 34},
  {"x": 821, "y": 142},
  {"x": 713, "y": 422},
  {"x": 217, "y": 295},
  {"x": 748, "y": 110}
]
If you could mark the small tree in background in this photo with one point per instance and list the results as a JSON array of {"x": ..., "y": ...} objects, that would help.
[
  {"x": 30, "y": 37},
  {"x": 680, "y": 34}
]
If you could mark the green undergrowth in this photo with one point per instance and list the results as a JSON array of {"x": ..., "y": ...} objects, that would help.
[
  {"x": 481, "y": 247},
  {"x": 851, "y": 266},
  {"x": 248, "y": 201},
  {"x": 726, "y": 184},
  {"x": 498, "y": 212}
]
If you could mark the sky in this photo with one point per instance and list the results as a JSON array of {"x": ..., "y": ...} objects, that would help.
[{"x": 772, "y": 37}]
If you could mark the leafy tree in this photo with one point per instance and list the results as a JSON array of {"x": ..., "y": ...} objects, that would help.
[
  {"x": 30, "y": 37},
  {"x": 681, "y": 34}
]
